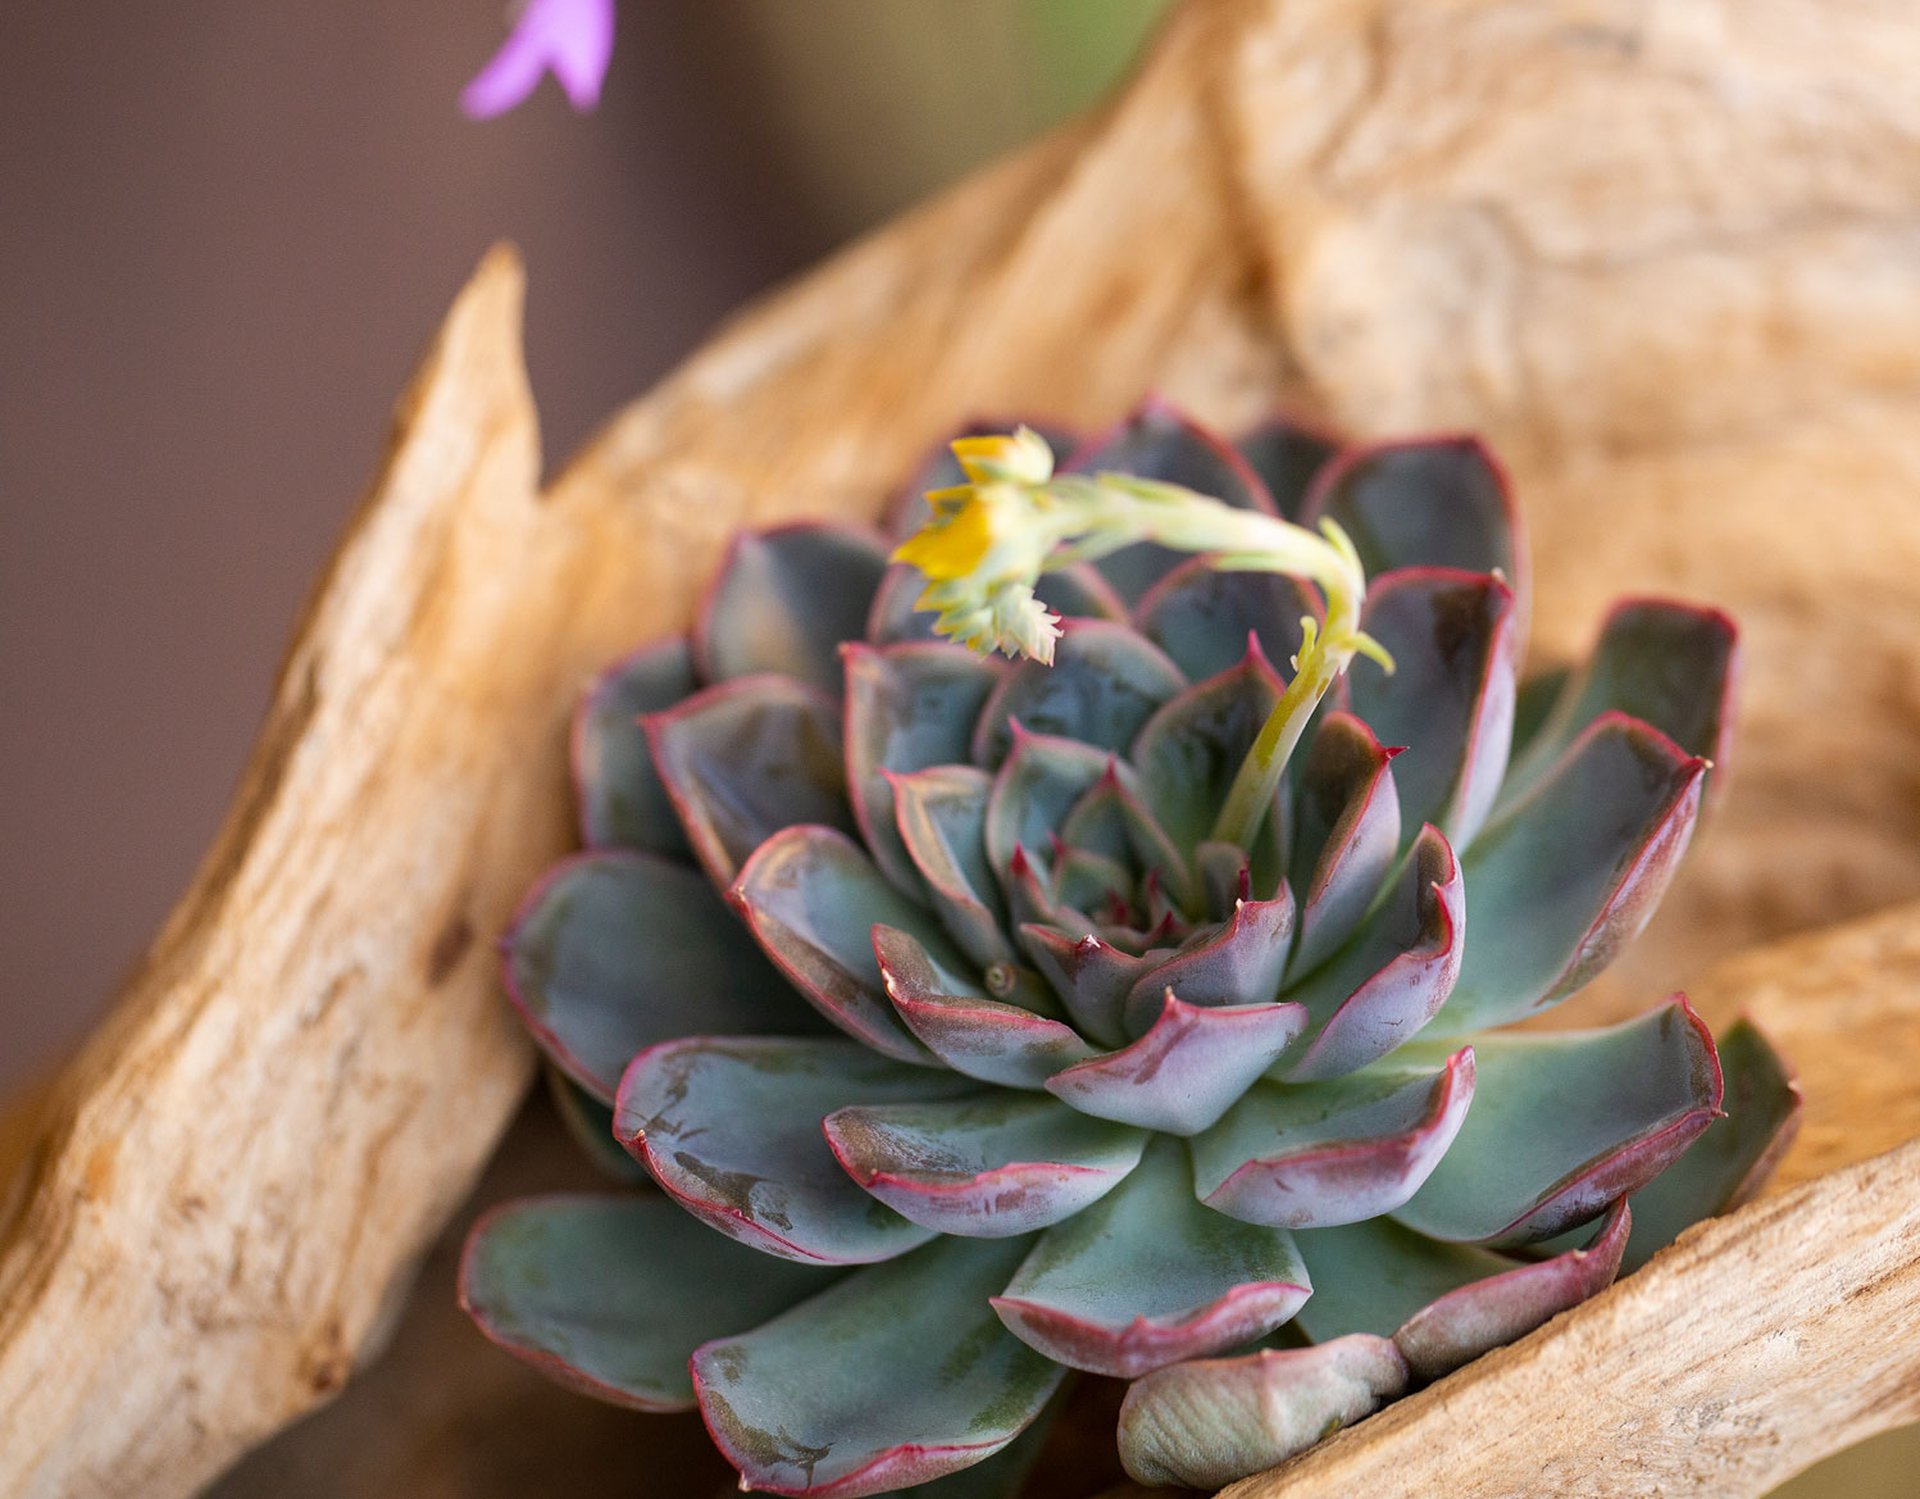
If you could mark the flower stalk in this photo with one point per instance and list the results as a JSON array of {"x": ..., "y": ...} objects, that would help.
[{"x": 990, "y": 540}]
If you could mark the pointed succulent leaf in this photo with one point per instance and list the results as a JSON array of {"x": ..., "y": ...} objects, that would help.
[
  {"x": 1735, "y": 1155},
  {"x": 1346, "y": 834},
  {"x": 1014, "y": 1045},
  {"x": 1445, "y": 1304},
  {"x": 732, "y": 1129},
  {"x": 746, "y": 758},
  {"x": 1240, "y": 963},
  {"x": 1286, "y": 456},
  {"x": 1207, "y": 1423},
  {"x": 1569, "y": 875},
  {"x": 811, "y": 897},
  {"x": 1451, "y": 696},
  {"x": 1668, "y": 664},
  {"x": 1187, "y": 1070},
  {"x": 1434, "y": 502},
  {"x": 610, "y": 1295},
  {"x": 1316, "y": 1155},
  {"x": 615, "y": 950},
  {"x": 1203, "y": 617},
  {"x": 1391, "y": 978},
  {"x": 785, "y": 598},
  {"x": 1159, "y": 443},
  {"x": 622, "y": 803},
  {"x": 1074, "y": 592},
  {"x": 1533, "y": 705},
  {"x": 1147, "y": 1277},
  {"x": 1092, "y": 977},
  {"x": 1567, "y": 1123},
  {"x": 923, "y": 1380},
  {"x": 908, "y": 707},
  {"x": 941, "y": 813},
  {"x": 986, "y": 1167},
  {"x": 1104, "y": 683},
  {"x": 1037, "y": 785},
  {"x": 1113, "y": 820},
  {"x": 940, "y": 469},
  {"x": 1189, "y": 752},
  {"x": 589, "y": 1123}
]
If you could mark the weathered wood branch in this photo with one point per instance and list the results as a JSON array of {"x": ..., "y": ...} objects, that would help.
[{"x": 1662, "y": 255}]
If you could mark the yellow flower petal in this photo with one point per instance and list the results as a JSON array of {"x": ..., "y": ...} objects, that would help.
[{"x": 952, "y": 547}]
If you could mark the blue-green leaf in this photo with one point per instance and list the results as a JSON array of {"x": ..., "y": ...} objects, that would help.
[
  {"x": 1189, "y": 752},
  {"x": 1203, "y": 618},
  {"x": 1286, "y": 456},
  {"x": 785, "y": 598},
  {"x": 1346, "y": 834},
  {"x": 620, "y": 798},
  {"x": 1104, "y": 683},
  {"x": 941, "y": 813}
]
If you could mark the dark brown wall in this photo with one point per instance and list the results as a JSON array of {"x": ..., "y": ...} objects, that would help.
[{"x": 226, "y": 229}]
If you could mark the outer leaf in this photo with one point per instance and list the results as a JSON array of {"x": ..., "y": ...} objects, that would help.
[
  {"x": 1189, "y": 752},
  {"x": 1445, "y": 1304},
  {"x": 812, "y": 898},
  {"x": 1434, "y": 502},
  {"x": 1570, "y": 874},
  {"x": 1287, "y": 456},
  {"x": 1147, "y": 1277},
  {"x": 1667, "y": 663},
  {"x": 1076, "y": 592},
  {"x": 1450, "y": 700},
  {"x": 1159, "y": 443},
  {"x": 785, "y": 598},
  {"x": 1013, "y": 1045},
  {"x": 1382, "y": 988},
  {"x": 745, "y": 759},
  {"x": 610, "y": 1295},
  {"x": 922, "y": 1380},
  {"x": 986, "y": 1167},
  {"x": 1319, "y": 1155},
  {"x": 1239, "y": 964},
  {"x": 590, "y": 1123},
  {"x": 1567, "y": 1123},
  {"x": 1208, "y": 1423},
  {"x": 620, "y": 798},
  {"x": 732, "y": 1129},
  {"x": 941, "y": 813},
  {"x": 1187, "y": 1070},
  {"x": 1346, "y": 836},
  {"x": 1104, "y": 683},
  {"x": 1202, "y": 617},
  {"x": 908, "y": 707},
  {"x": 1736, "y": 1154},
  {"x": 613, "y": 951}
]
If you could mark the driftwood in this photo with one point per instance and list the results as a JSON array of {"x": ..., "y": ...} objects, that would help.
[{"x": 1662, "y": 256}]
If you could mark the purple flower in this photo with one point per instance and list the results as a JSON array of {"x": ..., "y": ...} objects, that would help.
[{"x": 572, "y": 39}]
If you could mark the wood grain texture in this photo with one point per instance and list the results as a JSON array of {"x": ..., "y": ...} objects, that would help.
[{"x": 1664, "y": 260}]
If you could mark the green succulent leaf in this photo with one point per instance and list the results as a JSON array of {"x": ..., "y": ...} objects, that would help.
[
  {"x": 1568, "y": 875},
  {"x": 1147, "y": 1277},
  {"x": 1394, "y": 974},
  {"x": 1445, "y": 1304},
  {"x": 1450, "y": 699},
  {"x": 1286, "y": 456},
  {"x": 1187, "y": 1070},
  {"x": 1041, "y": 780},
  {"x": 610, "y": 1295},
  {"x": 1566, "y": 1123},
  {"x": 1104, "y": 683},
  {"x": 1092, "y": 977},
  {"x": 923, "y": 1380},
  {"x": 1317, "y": 1155},
  {"x": 811, "y": 897},
  {"x": 989, "y": 1166},
  {"x": 614, "y": 950},
  {"x": 941, "y": 813},
  {"x": 1239, "y": 963},
  {"x": 1017, "y": 1045},
  {"x": 1188, "y": 753},
  {"x": 783, "y": 601},
  {"x": 1346, "y": 834},
  {"x": 731, "y": 1127},
  {"x": 746, "y": 758},
  {"x": 908, "y": 707},
  {"x": 1204, "y": 618},
  {"x": 1438, "y": 502},
  {"x": 1668, "y": 664},
  {"x": 1205, "y": 1424},
  {"x": 621, "y": 801}
]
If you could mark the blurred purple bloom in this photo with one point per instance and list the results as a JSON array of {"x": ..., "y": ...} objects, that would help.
[{"x": 573, "y": 39}]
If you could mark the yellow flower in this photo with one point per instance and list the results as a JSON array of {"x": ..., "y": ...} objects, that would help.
[
  {"x": 1024, "y": 458},
  {"x": 958, "y": 538}
]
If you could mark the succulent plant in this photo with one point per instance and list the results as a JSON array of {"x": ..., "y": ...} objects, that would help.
[{"x": 1135, "y": 1009}]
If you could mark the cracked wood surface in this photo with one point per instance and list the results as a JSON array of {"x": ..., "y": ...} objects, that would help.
[{"x": 1666, "y": 262}]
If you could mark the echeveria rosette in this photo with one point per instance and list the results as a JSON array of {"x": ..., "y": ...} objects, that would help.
[{"x": 967, "y": 1051}]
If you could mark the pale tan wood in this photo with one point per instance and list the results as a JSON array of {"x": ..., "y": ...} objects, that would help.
[{"x": 1664, "y": 259}]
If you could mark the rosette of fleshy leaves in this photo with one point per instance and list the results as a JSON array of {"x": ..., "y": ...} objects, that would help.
[{"x": 967, "y": 1052}]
